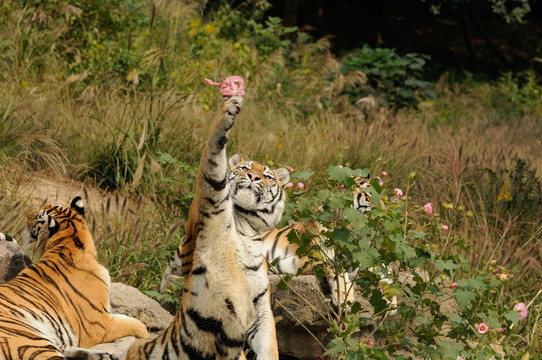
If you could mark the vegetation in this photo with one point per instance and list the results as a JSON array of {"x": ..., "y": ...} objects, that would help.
[{"x": 113, "y": 96}]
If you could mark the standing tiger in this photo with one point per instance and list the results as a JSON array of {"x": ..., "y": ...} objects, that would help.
[
  {"x": 59, "y": 307},
  {"x": 226, "y": 297}
]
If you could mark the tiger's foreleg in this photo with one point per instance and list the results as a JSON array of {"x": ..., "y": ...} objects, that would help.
[{"x": 261, "y": 335}]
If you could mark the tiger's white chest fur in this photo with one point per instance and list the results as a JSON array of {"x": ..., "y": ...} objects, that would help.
[{"x": 227, "y": 259}]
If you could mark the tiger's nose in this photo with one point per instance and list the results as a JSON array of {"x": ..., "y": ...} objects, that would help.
[{"x": 253, "y": 176}]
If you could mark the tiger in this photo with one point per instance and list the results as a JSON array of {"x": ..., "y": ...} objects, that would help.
[
  {"x": 59, "y": 307},
  {"x": 281, "y": 254},
  {"x": 226, "y": 300}
]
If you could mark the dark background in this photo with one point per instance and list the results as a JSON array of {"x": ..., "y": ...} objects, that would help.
[{"x": 468, "y": 37}]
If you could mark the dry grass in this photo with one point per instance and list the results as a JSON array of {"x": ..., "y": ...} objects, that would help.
[{"x": 447, "y": 149}]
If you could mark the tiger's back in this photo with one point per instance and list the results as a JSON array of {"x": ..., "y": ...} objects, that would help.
[{"x": 61, "y": 303}]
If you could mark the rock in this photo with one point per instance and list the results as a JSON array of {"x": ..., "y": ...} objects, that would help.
[
  {"x": 301, "y": 306},
  {"x": 301, "y": 302},
  {"x": 306, "y": 305},
  {"x": 131, "y": 302},
  {"x": 12, "y": 259}
]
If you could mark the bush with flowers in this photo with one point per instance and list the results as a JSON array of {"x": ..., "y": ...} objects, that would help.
[{"x": 444, "y": 310}]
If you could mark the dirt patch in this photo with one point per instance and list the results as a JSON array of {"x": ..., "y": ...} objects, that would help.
[{"x": 40, "y": 190}]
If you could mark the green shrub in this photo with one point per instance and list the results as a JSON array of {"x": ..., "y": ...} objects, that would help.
[
  {"x": 444, "y": 307},
  {"x": 517, "y": 94},
  {"x": 248, "y": 25},
  {"x": 393, "y": 79}
]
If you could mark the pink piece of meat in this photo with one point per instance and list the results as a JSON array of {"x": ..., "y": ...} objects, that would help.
[{"x": 232, "y": 85}]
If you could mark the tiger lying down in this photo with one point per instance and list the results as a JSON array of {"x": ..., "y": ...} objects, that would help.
[
  {"x": 279, "y": 251},
  {"x": 59, "y": 307}
]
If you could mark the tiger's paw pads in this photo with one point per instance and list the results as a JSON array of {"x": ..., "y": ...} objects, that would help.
[{"x": 85, "y": 354}]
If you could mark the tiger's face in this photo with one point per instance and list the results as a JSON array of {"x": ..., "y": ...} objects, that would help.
[
  {"x": 256, "y": 189},
  {"x": 43, "y": 223},
  {"x": 362, "y": 199}
]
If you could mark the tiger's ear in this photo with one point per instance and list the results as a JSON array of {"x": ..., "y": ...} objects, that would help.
[
  {"x": 235, "y": 160},
  {"x": 283, "y": 175},
  {"x": 52, "y": 226},
  {"x": 78, "y": 205}
]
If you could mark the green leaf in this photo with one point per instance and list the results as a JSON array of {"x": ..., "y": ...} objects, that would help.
[
  {"x": 378, "y": 355},
  {"x": 449, "y": 350},
  {"x": 363, "y": 259},
  {"x": 404, "y": 250},
  {"x": 430, "y": 93},
  {"x": 512, "y": 316},
  {"x": 355, "y": 218},
  {"x": 464, "y": 297},
  {"x": 302, "y": 175},
  {"x": 456, "y": 320},
  {"x": 342, "y": 235},
  {"x": 340, "y": 174},
  {"x": 447, "y": 266},
  {"x": 335, "y": 346},
  {"x": 406, "y": 93},
  {"x": 377, "y": 301}
]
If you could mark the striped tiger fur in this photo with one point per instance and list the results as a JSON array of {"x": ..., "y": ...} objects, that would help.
[
  {"x": 59, "y": 306},
  {"x": 280, "y": 252},
  {"x": 226, "y": 297}
]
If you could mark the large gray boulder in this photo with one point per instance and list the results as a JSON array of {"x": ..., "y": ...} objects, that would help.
[
  {"x": 129, "y": 301},
  {"x": 12, "y": 258}
]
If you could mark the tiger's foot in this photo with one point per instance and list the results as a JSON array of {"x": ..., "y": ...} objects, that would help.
[{"x": 87, "y": 354}]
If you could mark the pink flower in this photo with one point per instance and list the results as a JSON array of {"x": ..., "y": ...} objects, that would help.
[
  {"x": 300, "y": 185},
  {"x": 502, "y": 331},
  {"x": 521, "y": 310},
  {"x": 380, "y": 181},
  {"x": 428, "y": 208},
  {"x": 290, "y": 169},
  {"x": 341, "y": 186},
  {"x": 482, "y": 328},
  {"x": 398, "y": 192},
  {"x": 384, "y": 173},
  {"x": 496, "y": 271},
  {"x": 289, "y": 185},
  {"x": 503, "y": 276},
  {"x": 445, "y": 227},
  {"x": 369, "y": 342},
  {"x": 454, "y": 284}
]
